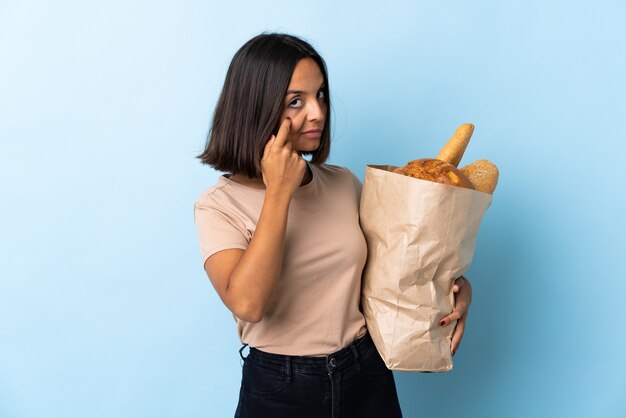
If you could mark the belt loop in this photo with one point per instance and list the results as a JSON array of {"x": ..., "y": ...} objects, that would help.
[
  {"x": 356, "y": 357},
  {"x": 288, "y": 368},
  {"x": 241, "y": 353}
]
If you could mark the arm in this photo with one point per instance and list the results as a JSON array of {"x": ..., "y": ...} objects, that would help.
[{"x": 246, "y": 279}]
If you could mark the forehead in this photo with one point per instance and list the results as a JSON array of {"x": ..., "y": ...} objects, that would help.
[{"x": 306, "y": 74}]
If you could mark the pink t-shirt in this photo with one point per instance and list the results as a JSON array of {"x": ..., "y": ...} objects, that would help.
[{"x": 314, "y": 310}]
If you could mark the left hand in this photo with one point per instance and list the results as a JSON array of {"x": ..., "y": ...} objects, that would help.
[{"x": 462, "y": 290}]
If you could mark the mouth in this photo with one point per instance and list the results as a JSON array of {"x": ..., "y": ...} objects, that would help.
[{"x": 312, "y": 133}]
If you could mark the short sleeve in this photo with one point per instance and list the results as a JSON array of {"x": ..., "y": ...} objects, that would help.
[{"x": 218, "y": 231}]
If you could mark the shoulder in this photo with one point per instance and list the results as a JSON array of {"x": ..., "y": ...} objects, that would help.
[
  {"x": 342, "y": 175},
  {"x": 217, "y": 209},
  {"x": 338, "y": 171},
  {"x": 213, "y": 195},
  {"x": 334, "y": 170},
  {"x": 221, "y": 199}
]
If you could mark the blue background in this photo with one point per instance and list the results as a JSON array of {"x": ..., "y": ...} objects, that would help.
[{"x": 105, "y": 310}]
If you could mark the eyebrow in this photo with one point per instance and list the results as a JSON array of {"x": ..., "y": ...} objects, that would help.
[{"x": 302, "y": 91}]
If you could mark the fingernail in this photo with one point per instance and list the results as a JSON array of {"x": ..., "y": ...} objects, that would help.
[{"x": 442, "y": 323}]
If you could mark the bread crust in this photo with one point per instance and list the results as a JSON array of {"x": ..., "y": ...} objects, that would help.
[
  {"x": 453, "y": 151},
  {"x": 483, "y": 174},
  {"x": 435, "y": 170}
]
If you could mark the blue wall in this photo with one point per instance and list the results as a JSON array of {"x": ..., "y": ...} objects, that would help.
[{"x": 105, "y": 310}]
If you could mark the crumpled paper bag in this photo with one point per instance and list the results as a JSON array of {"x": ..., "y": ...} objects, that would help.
[{"x": 420, "y": 238}]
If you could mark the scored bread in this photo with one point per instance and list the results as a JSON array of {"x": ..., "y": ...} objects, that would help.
[{"x": 435, "y": 170}]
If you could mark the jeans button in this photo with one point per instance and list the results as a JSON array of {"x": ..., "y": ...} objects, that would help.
[{"x": 333, "y": 362}]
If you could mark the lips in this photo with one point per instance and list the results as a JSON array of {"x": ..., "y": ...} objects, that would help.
[{"x": 312, "y": 133}]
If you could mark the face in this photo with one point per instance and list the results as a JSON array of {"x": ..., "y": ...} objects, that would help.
[{"x": 305, "y": 105}]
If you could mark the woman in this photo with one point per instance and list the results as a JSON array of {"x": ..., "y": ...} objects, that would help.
[{"x": 281, "y": 242}]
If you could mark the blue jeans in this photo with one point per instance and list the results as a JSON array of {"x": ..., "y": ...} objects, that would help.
[{"x": 351, "y": 383}]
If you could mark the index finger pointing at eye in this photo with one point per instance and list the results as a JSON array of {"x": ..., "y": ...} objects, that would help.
[{"x": 281, "y": 136}]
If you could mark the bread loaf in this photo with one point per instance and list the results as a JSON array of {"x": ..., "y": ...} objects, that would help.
[
  {"x": 480, "y": 175},
  {"x": 483, "y": 175},
  {"x": 453, "y": 151},
  {"x": 435, "y": 170}
]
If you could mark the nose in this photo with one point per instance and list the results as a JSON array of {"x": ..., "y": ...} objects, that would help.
[{"x": 315, "y": 111}]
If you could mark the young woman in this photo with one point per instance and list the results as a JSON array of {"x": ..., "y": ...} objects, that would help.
[{"x": 281, "y": 243}]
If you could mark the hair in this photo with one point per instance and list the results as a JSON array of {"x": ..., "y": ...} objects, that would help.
[{"x": 252, "y": 101}]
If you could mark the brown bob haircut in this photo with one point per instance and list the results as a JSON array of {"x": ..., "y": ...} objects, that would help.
[{"x": 252, "y": 101}]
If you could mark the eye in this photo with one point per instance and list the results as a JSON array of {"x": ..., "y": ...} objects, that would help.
[
  {"x": 321, "y": 95},
  {"x": 297, "y": 102}
]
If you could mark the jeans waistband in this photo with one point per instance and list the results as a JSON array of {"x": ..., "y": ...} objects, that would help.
[{"x": 334, "y": 361}]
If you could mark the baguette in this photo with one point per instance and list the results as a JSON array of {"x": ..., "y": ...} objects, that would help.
[{"x": 453, "y": 151}]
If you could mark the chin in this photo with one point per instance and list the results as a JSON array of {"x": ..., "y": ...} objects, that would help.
[
  {"x": 309, "y": 147},
  {"x": 308, "y": 150}
]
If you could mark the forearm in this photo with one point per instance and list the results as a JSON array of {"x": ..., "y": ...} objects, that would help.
[{"x": 254, "y": 278}]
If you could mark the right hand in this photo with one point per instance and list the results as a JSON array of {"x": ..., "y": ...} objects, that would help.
[{"x": 283, "y": 169}]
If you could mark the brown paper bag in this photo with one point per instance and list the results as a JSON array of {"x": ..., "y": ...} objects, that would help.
[{"x": 420, "y": 238}]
